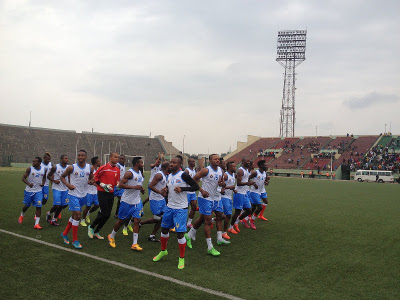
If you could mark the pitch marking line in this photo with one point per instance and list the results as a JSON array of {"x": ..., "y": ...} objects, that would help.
[{"x": 115, "y": 263}]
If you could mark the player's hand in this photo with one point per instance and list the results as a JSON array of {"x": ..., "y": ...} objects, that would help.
[
  {"x": 31, "y": 185},
  {"x": 142, "y": 190},
  {"x": 255, "y": 186},
  {"x": 164, "y": 192},
  {"x": 223, "y": 191},
  {"x": 56, "y": 181},
  {"x": 204, "y": 193},
  {"x": 42, "y": 185},
  {"x": 178, "y": 189},
  {"x": 71, "y": 187},
  {"x": 106, "y": 187},
  {"x": 235, "y": 191}
]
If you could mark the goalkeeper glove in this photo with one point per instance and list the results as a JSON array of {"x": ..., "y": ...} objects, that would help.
[{"x": 106, "y": 187}]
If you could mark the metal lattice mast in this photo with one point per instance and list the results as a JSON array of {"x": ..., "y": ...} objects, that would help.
[{"x": 291, "y": 52}]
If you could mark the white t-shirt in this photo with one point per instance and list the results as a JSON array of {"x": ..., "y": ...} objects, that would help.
[{"x": 132, "y": 196}]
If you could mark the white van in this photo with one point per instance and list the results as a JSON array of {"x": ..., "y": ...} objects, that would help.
[{"x": 371, "y": 175}]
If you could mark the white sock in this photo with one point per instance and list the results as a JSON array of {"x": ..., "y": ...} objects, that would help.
[
  {"x": 88, "y": 213},
  {"x": 253, "y": 217},
  {"x": 230, "y": 227},
  {"x": 164, "y": 235},
  {"x": 209, "y": 243},
  {"x": 246, "y": 218},
  {"x": 22, "y": 214},
  {"x": 75, "y": 223},
  {"x": 237, "y": 220},
  {"x": 264, "y": 204},
  {"x": 37, "y": 220},
  {"x": 213, "y": 220},
  {"x": 135, "y": 237},
  {"x": 219, "y": 235},
  {"x": 182, "y": 240},
  {"x": 112, "y": 234},
  {"x": 189, "y": 222},
  {"x": 152, "y": 235},
  {"x": 224, "y": 232},
  {"x": 192, "y": 233},
  {"x": 130, "y": 223},
  {"x": 71, "y": 220}
]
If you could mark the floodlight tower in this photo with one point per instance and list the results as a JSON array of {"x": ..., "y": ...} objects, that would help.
[{"x": 291, "y": 51}]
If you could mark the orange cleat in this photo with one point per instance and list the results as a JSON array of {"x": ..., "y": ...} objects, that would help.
[
  {"x": 136, "y": 247},
  {"x": 262, "y": 218},
  {"x": 232, "y": 231},
  {"x": 245, "y": 224},
  {"x": 20, "y": 219},
  {"x": 252, "y": 225},
  {"x": 37, "y": 226},
  {"x": 226, "y": 236},
  {"x": 236, "y": 227}
]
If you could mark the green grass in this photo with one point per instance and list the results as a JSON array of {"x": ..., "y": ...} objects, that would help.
[{"x": 324, "y": 239}]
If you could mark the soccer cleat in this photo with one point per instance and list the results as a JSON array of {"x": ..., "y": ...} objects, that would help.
[
  {"x": 54, "y": 223},
  {"x": 213, "y": 252},
  {"x": 262, "y": 218},
  {"x": 125, "y": 231},
  {"x": 181, "y": 263},
  {"x": 136, "y": 247},
  {"x": 59, "y": 216},
  {"x": 188, "y": 241},
  {"x": 172, "y": 229},
  {"x": 244, "y": 222},
  {"x": 226, "y": 236},
  {"x": 252, "y": 225},
  {"x": 232, "y": 231},
  {"x": 153, "y": 239},
  {"x": 90, "y": 232},
  {"x": 223, "y": 242},
  {"x": 197, "y": 208},
  {"x": 189, "y": 225},
  {"x": 96, "y": 234},
  {"x": 130, "y": 228},
  {"x": 160, "y": 255},
  {"x": 111, "y": 241},
  {"x": 37, "y": 226},
  {"x": 83, "y": 223},
  {"x": 34, "y": 217},
  {"x": 65, "y": 238},
  {"x": 236, "y": 227},
  {"x": 77, "y": 245},
  {"x": 87, "y": 219},
  {"x": 48, "y": 217},
  {"x": 20, "y": 219}
]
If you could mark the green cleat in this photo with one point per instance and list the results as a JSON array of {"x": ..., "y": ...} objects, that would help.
[
  {"x": 213, "y": 252},
  {"x": 98, "y": 236},
  {"x": 125, "y": 231},
  {"x": 130, "y": 228},
  {"x": 83, "y": 223},
  {"x": 181, "y": 263},
  {"x": 160, "y": 255},
  {"x": 188, "y": 241},
  {"x": 87, "y": 219},
  {"x": 223, "y": 242},
  {"x": 90, "y": 232}
]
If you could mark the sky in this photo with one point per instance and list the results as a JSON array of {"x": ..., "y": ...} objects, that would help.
[{"x": 202, "y": 73}]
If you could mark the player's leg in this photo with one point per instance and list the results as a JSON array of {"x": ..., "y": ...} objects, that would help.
[
  {"x": 74, "y": 206},
  {"x": 118, "y": 204},
  {"x": 37, "y": 201},
  {"x": 167, "y": 222},
  {"x": 180, "y": 220},
  {"x": 193, "y": 204},
  {"x": 106, "y": 201},
  {"x": 28, "y": 199},
  {"x": 45, "y": 194},
  {"x": 264, "y": 198},
  {"x": 219, "y": 217},
  {"x": 117, "y": 226}
]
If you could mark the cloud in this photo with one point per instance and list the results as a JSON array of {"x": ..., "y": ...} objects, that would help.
[{"x": 370, "y": 99}]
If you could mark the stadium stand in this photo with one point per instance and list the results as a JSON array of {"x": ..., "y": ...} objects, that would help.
[{"x": 19, "y": 144}]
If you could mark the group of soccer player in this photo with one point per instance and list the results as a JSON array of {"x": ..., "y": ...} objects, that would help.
[{"x": 172, "y": 190}]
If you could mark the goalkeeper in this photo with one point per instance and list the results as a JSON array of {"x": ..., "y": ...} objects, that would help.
[{"x": 106, "y": 178}]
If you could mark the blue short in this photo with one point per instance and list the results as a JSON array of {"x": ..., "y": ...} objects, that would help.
[
  {"x": 255, "y": 198},
  {"x": 33, "y": 198},
  {"x": 175, "y": 218},
  {"x": 191, "y": 197},
  {"x": 127, "y": 211},
  {"x": 118, "y": 192},
  {"x": 91, "y": 199},
  {"x": 206, "y": 207},
  {"x": 45, "y": 191},
  {"x": 227, "y": 206},
  {"x": 60, "y": 197},
  {"x": 157, "y": 207},
  {"x": 241, "y": 201},
  {"x": 76, "y": 203},
  {"x": 264, "y": 195}
]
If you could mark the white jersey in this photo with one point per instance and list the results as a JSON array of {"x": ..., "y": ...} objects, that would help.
[
  {"x": 36, "y": 177},
  {"x": 191, "y": 173},
  {"x": 210, "y": 183},
  {"x": 245, "y": 178},
  {"x": 79, "y": 178},
  {"x": 176, "y": 200},
  {"x": 132, "y": 196},
  {"x": 260, "y": 181},
  {"x": 57, "y": 176},
  {"x": 229, "y": 182},
  {"x": 159, "y": 186},
  {"x": 47, "y": 169},
  {"x": 92, "y": 188},
  {"x": 154, "y": 171},
  {"x": 121, "y": 170}
]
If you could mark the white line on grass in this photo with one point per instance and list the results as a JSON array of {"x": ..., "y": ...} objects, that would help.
[{"x": 115, "y": 263}]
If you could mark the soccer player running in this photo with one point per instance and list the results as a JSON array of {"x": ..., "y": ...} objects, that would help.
[
  {"x": 118, "y": 191},
  {"x": 212, "y": 178},
  {"x": 91, "y": 196},
  {"x": 264, "y": 198},
  {"x": 60, "y": 190},
  {"x": 259, "y": 176},
  {"x": 46, "y": 164},
  {"x": 240, "y": 199},
  {"x": 79, "y": 175},
  {"x": 175, "y": 215},
  {"x": 192, "y": 198},
  {"x": 154, "y": 169},
  {"x": 158, "y": 192},
  {"x": 34, "y": 178},
  {"x": 131, "y": 204},
  {"x": 227, "y": 192},
  {"x": 106, "y": 179}
]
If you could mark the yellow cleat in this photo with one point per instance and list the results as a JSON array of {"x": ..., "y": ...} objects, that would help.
[
  {"x": 83, "y": 223},
  {"x": 136, "y": 247},
  {"x": 172, "y": 229},
  {"x": 111, "y": 241},
  {"x": 125, "y": 231},
  {"x": 130, "y": 228}
]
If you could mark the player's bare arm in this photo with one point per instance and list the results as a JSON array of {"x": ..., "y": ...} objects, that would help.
[
  {"x": 25, "y": 176},
  {"x": 66, "y": 173},
  {"x": 203, "y": 172},
  {"x": 157, "y": 178},
  {"x": 50, "y": 176}
]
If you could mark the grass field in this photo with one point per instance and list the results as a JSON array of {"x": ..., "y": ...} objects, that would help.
[{"x": 324, "y": 239}]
